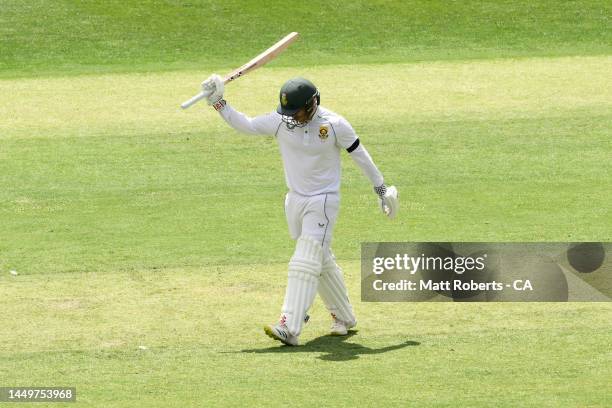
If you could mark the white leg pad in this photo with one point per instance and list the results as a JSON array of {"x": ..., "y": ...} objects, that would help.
[
  {"x": 334, "y": 293},
  {"x": 304, "y": 272}
]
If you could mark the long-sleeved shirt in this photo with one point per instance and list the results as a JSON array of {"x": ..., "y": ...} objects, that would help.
[{"x": 310, "y": 154}]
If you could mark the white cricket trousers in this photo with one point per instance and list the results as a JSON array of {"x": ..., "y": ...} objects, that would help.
[{"x": 313, "y": 216}]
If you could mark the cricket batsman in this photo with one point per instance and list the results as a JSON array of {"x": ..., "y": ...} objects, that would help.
[{"x": 310, "y": 138}]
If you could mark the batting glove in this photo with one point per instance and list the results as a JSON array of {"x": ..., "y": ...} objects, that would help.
[
  {"x": 388, "y": 200},
  {"x": 213, "y": 87},
  {"x": 381, "y": 190}
]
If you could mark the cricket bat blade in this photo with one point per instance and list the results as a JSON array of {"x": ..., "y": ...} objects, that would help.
[{"x": 259, "y": 61}]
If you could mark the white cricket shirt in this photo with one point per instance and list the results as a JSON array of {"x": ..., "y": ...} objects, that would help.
[{"x": 310, "y": 154}]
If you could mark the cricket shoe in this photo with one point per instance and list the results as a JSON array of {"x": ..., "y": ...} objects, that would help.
[
  {"x": 281, "y": 333},
  {"x": 340, "y": 328}
]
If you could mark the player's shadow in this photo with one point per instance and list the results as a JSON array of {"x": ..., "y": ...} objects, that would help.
[{"x": 334, "y": 348}]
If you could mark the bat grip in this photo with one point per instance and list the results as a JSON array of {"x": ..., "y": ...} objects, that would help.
[{"x": 194, "y": 99}]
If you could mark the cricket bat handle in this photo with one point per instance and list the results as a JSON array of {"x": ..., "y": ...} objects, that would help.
[{"x": 196, "y": 98}]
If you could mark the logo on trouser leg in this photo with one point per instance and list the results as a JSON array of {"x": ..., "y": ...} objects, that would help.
[{"x": 321, "y": 224}]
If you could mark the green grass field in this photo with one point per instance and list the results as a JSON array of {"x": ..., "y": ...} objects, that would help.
[{"x": 132, "y": 223}]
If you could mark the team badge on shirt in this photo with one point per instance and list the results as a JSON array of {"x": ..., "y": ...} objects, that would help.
[{"x": 323, "y": 132}]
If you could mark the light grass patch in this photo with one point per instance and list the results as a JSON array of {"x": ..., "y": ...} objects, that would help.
[
  {"x": 170, "y": 337},
  {"x": 149, "y": 103},
  {"x": 132, "y": 182}
]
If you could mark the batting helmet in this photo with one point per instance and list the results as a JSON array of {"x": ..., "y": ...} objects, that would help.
[{"x": 295, "y": 94}]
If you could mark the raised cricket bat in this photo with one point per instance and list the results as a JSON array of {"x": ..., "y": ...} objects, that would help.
[{"x": 259, "y": 61}]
